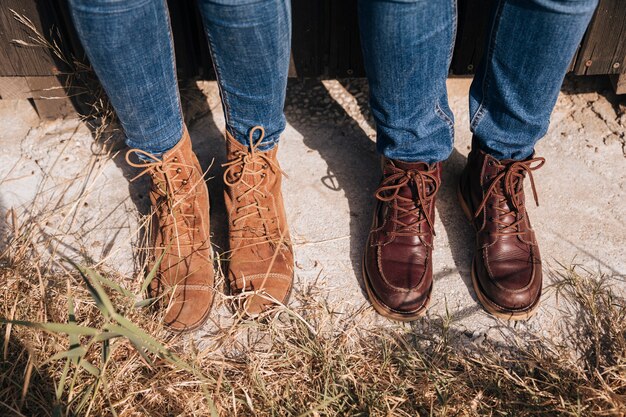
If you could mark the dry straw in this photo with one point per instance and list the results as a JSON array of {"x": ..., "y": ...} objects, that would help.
[{"x": 76, "y": 342}]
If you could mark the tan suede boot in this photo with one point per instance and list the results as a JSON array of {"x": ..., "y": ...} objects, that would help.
[
  {"x": 180, "y": 235},
  {"x": 261, "y": 256}
]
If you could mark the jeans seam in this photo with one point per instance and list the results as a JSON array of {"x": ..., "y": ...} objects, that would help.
[
  {"x": 454, "y": 31},
  {"x": 485, "y": 85},
  {"x": 442, "y": 115},
  {"x": 218, "y": 75},
  {"x": 181, "y": 117}
]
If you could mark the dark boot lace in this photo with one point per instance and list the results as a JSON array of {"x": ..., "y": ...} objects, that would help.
[
  {"x": 415, "y": 211},
  {"x": 175, "y": 211},
  {"x": 249, "y": 169},
  {"x": 506, "y": 187}
]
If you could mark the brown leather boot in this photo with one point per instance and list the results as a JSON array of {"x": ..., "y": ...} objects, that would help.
[
  {"x": 506, "y": 271},
  {"x": 397, "y": 266},
  {"x": 180, "y": 235},
  {"x": 261, "y": 256}
]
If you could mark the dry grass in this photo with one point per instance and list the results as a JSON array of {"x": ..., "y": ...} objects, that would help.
[
  {"x": 77, "y": 343},
  {"x": 117, "y": 359}
]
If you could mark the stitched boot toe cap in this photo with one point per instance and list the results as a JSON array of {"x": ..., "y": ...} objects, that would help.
[
  {"x": 267, "y": 290},
  {"x": 189, "y": 309}
]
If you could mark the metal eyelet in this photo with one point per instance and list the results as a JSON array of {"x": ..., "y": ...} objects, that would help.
[
  {"x": 179, "y": 170},
  {"x": 175, "y": 159},
  {"x": 265, "y": 166},
  {"x": 185, "y": 182},
  {"x": 263, "y": 175}
]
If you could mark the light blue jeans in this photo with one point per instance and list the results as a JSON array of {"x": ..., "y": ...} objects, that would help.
[
  {"x": 407, "y": 47},
  {"x": 408, "y": 44},
  {"x": 129, "y": 44}
]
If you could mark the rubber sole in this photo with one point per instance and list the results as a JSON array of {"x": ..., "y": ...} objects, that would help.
[
  {"x": 489, "y": 306},
  {"x": 387, "y": 312},
  {"x": 236, "y": 307},
  {"x": 196, "y": 325}
]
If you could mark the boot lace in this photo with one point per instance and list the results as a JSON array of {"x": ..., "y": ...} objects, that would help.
[
  {"x": 175, "y": 212},
  {"x": 506, "y": 187},
  {"x": 412, "y": 213},
  {"x": 249, "y": 169}
]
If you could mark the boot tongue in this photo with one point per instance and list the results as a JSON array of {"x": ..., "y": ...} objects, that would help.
[
  {"x": 500, "y": 189},
  {"x": 407, "y": 166},
  {"x": 410, "y": 190}
]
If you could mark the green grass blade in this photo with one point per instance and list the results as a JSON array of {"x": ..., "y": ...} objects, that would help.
[
  {"x": 67, "y": 328},
  {"x": 152, "y": 273},
  {"x": 73, "y": 354},
  {"x": 145, "y": 302},
  {"x": 103, "y": 302},
  {"x": 61, "y": 386},
  {"x": 106, "y": 335},
  {"x": 114, "y": 286},
  {"x": 137, "y": 343},
  {"x": 89, "y": 368}
]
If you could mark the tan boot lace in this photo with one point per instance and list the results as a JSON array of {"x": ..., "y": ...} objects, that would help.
[
  {"x": 176, "y": 214},
  {"x": 249, "y": 168},
  {"x": 389, "y": 190},
  {"x": 506, "y": 187}
]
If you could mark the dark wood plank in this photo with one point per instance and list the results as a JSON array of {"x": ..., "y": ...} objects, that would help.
[
  {"x": 49, "y": 97},
  {"x": 603, "y": 48},
  {"x": 17, "y": 60},
  {"x": 325, "y": 38},
  {"x": 619, "y": 83},
  {"x": 471, "y": 36},
  {"x": 308, "y": 37},
  {"x": 14, "y": 88},
  {"x": 184, "y": 32}
]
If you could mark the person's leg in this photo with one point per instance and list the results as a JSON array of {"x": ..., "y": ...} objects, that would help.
[
  {"x": 130, "y": 47},
  {"x": 530, "y": 46},
  {"x": 250, "y": 45},
  {"x": 407, "y": 47}
]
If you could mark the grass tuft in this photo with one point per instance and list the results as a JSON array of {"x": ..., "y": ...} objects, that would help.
[
  {"x": 100, "y": 354},
  {"x": 76, "y": 342}
]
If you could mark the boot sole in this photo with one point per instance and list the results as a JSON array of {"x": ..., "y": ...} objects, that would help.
[
  {"x": 387, "y": 312},
  {"x": 196, "y": 325},
  {"x": 236, "y": 309},
  {"x": 487, "y": 304}
]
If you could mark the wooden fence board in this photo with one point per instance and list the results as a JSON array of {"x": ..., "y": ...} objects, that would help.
[
  {"x": 603, "y": 48},
  {"x": 325, "y": 38},
  {"x": 17, "y": 60},
  {"x": 473, "y": 18}
]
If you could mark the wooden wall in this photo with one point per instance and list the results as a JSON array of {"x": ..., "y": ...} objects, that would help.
[{"x": 325, "y": 39}]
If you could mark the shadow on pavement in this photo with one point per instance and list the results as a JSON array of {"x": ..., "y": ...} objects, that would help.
[
  {"x": 353, "y": 165},
  {"x": 458, "y": 229}
]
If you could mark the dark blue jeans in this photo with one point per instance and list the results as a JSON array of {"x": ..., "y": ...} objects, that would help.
[
  {"x": 407, "y": 46},
  {"x": 129, "y": 44}
]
